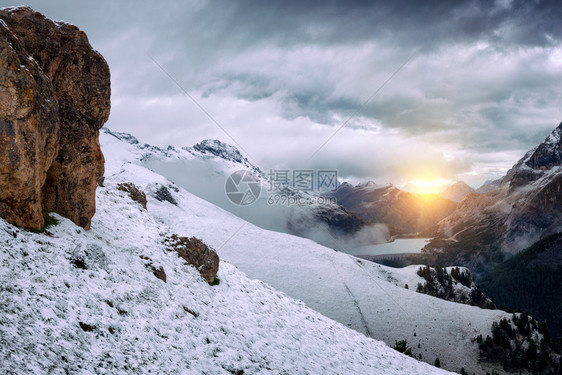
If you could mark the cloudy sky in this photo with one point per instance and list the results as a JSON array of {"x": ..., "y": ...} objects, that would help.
[{"x": 392, "y": 91}]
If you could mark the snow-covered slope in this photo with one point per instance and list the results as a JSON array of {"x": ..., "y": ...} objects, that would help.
[
  {"x": 359, "y": 294},
  {"x": 86, "y": 303}
]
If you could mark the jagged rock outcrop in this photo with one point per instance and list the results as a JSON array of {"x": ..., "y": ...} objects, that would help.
[
  {"x": 29, "y": 132},
  {"x": 54, "y": 98}
]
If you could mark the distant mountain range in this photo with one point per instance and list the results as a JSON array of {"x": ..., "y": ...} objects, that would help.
[
  {"x": 489, "y": 185},
  {"x": 401, "y": 211}
]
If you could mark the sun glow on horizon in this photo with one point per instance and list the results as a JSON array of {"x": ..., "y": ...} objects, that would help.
[{"x": 426, "y": 186}]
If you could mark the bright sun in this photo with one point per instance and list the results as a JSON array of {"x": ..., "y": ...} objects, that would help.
[{"x": 427, "y": 186}]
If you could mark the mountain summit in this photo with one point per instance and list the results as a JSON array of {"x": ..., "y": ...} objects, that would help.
[
  {"x": 549, "y": 153},
  {"x": 537, "y": 161}
]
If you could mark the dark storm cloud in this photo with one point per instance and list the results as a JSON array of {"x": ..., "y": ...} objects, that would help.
[{"x": 409, "y": 23}]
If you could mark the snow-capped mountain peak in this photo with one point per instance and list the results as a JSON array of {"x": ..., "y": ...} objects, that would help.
[
  {"x": 548, "y": 153},
  {"x": 224, "y": 151},
  {"x": 537, "y": 162},
  {"x": 220, "y": 149},
  {"x": 368, "y": 184}
]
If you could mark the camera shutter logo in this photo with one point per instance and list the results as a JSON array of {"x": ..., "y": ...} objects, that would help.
[{"x": 242, "y": 188}]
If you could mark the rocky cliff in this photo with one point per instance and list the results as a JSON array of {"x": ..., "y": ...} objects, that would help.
[{"x": 54, "y": 98}]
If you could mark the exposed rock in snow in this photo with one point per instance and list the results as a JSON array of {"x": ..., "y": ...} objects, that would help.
[
  {"x": 134, "y": 192},
  {"x": 196, "y": 253}
]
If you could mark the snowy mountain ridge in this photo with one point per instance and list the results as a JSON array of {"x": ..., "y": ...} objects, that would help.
[
  {"x": 538, "y": 161},
  {"x": 204, "y": 168},
  {"x": 224, "y": 151},
  {"x": 207, "y": 148}
]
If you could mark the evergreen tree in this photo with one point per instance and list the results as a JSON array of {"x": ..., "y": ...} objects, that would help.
[
  {"x": 437, "y": 362},
  {"x": 402, "y": 347}
]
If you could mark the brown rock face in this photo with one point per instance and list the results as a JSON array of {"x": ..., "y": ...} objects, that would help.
[
  {"x": 29, "y": 132},
  {"x": 157, "y": 271},
  {"x": 195, "y": 252},
  {"x": 134, "y": 193},
  {"x": 54, "y": 98}
]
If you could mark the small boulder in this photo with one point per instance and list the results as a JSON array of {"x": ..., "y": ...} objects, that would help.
[
  {"x": 197, "y": 253},
  {"x": 157, "y": 271},
  {"x": 134, "y": 192}
]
